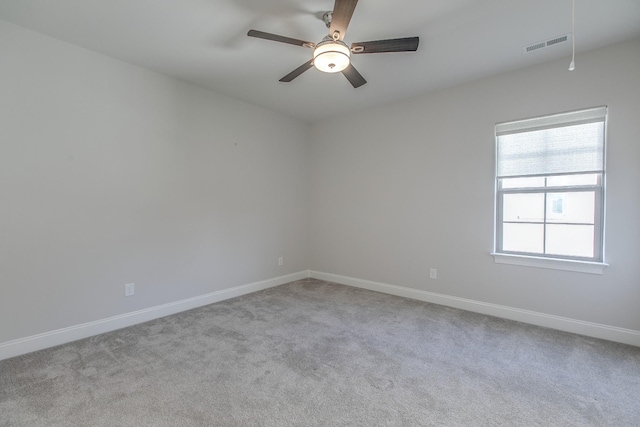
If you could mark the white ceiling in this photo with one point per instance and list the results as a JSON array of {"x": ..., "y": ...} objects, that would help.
[{"x": 205, "y": 42}]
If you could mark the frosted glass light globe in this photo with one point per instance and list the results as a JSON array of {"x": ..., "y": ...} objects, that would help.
[{"x": 331, "y": 56}]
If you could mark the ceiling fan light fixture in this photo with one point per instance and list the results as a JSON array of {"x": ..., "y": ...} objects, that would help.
[{"x": 331, "y": 56}]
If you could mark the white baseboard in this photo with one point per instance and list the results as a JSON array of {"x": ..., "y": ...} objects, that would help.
[
  {"x": 596, "y": 330},
  {"x": 61, "y": 336}
]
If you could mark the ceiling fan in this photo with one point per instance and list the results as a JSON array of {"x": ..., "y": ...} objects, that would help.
[{"x": 332, "y": 55}]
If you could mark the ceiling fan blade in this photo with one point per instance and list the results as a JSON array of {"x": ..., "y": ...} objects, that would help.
[
  {"x": 354, "y": 77},
  {"x": 342, "y": 12},
  {"x": 295, "y": 73},
  {"x": 407, "y": 44},
  {"x": 281, "y": 39}
]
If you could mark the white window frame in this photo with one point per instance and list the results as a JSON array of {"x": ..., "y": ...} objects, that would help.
[{"x": 571, "y": 263}]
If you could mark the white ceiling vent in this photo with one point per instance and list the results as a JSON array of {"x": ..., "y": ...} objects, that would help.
[{"x": 547, "y": 43}]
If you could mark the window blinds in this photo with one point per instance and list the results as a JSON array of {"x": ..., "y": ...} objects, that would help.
[{"x": 557, "y": 144}]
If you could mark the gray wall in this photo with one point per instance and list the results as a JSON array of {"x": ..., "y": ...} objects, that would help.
[
  {"x": 110, "y": 174},
  {"x": 409, "y": 186}
]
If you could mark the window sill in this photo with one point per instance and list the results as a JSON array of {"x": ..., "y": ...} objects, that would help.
[{"x": 551, "y": 263}]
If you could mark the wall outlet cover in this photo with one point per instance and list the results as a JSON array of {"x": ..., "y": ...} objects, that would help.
[{"x": 129, "y": 289}]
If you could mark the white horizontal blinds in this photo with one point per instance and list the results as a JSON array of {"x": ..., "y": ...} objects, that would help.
[{"x": 559, "y": 144}]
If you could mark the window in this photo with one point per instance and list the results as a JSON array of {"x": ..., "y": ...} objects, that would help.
[{"x": 550, "y": 188}]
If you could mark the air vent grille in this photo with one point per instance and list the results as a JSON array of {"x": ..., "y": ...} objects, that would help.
[
  {"x": 546, "y": 43},
  {"x": 557, "y": 40},
  {"x": 535, "y": 47}
]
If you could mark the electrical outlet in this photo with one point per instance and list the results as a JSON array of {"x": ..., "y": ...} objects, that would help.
[
  {"x": 280, "y": 261},
  {"x": 433, "y": 273},
  {"x": 129, "y": 289}
]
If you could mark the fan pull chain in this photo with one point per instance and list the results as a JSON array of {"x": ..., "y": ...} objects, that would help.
[{"x": 572, "y": 65}]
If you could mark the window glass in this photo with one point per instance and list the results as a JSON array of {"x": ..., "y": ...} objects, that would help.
[
  {"x": 576, "y": 207},
  {"x": 570, "y": 240},
  {"x": 572, "y": 180},
  {"x": 527, "y": 207},
  {"x": 529, "y": 182},
  {"x": 526, "y": 238}
]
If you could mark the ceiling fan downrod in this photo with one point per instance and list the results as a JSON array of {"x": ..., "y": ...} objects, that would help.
[{"x": 326, "y": 18}]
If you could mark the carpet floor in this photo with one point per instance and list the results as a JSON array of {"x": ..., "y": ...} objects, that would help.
[{"x": 313, "y": 353}]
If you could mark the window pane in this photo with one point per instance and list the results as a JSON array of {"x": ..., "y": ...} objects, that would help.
[
  {"x": 523, "y": 238},
  {"x": 577, "y": 207},
  {"x": 570, "y": 240},
  {"x": 530, "y": 182},
  {"x": 523, "y": 207},
  {"x": 568, "y": 180}
]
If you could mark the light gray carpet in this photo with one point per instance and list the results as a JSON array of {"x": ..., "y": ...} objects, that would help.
[{"x": 312, "y": 353}]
